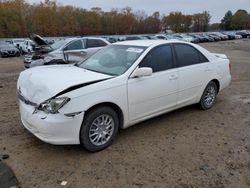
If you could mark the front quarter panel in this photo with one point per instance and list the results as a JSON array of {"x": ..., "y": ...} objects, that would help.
[{"x": 113, "y": 90}]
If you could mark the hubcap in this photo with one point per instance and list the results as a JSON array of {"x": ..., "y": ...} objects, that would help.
[
  {"x": 210, "y": 96},
  {"x": 101, "y": 130}
]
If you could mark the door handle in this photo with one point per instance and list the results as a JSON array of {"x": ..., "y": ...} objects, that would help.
[{"x": 173, "y": 77}]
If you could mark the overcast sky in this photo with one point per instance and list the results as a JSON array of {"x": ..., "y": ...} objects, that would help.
[{"x": 217, "y": 8}]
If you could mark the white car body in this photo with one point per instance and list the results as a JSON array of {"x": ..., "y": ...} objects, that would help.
[
  {"x": 27, "y": 46},
  {"x": 17, "y": 42},
  {"x": 137, "y": 99}
]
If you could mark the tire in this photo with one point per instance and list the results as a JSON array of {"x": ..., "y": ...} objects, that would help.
[
  {"x": 99, "y": 128},
  {"x": 209, "y": 95}
]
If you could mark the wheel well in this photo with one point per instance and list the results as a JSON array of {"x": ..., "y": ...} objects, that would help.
[
  {"x": 217, "y": 84},
  {"x": 115, "y": 107}
]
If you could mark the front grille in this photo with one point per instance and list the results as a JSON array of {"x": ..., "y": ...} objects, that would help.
[{"x": 23, "y": 99}]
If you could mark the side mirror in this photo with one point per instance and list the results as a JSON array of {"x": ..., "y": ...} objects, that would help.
[{"x": 143, "y": 71}]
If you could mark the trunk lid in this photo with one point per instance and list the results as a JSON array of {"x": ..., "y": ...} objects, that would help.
[{"x": 222, "y": 56}]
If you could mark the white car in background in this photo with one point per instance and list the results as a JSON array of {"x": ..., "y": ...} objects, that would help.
[
  {"x": 70, "y": 50},
  {"x": 119, "y": 86},
  {"x": 17, "y": 42},
  {"x": 27, "y": 46}
]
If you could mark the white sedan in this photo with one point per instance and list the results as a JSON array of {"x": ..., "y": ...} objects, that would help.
[{"x": 119, "y": 86}]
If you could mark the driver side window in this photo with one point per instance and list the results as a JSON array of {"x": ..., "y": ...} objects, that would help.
[
  {"x": 76, "y": 45},
  {"x": 159, "y": 59}
]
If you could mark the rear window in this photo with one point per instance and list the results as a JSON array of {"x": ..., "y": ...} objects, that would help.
[{"x": 93, "y": 43}]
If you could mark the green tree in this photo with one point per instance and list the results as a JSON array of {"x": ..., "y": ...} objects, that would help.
[
  {"x": 226, "y": 22},
  {"x": 177, "y": 22},
  {"x": 201, "y": 21},
  {"x": 240, "y": 20},
  {"x": 214, "y": 27}
]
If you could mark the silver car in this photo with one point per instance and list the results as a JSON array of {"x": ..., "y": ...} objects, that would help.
[
  {"x": 71, "y": 50},
  {"x": 8, "y": 50}
]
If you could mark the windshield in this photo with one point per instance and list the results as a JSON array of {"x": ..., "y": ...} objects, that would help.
[
  {"x": 58, "y": 44},
  {"x": 113, "y": 60}
]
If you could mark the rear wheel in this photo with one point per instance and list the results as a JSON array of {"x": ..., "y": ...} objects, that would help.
[
  {"x": 99, "y": 128},
  {"x": 209, "y": 96}
]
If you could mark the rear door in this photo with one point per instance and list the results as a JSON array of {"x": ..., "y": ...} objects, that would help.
[
  {"x": 92, "y": 45},
  {"x": 194, "y": 71},
  {"x": 157, "y": 93}
]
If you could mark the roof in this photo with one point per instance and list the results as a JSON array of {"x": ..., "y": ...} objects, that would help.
[{"x": 145, "y": 43}]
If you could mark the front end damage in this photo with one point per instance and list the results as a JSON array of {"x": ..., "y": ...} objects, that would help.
[
  {"x": 42, "y": 54},
  {"x": 49, "y": 126},
  {"x": 46, "y": 95},
  {"x": 38, "y": 59}
]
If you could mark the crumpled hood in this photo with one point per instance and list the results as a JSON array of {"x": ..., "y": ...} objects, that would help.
[
  {"x": 41, "y": 83},
  {"x": 39, "y": 40}
]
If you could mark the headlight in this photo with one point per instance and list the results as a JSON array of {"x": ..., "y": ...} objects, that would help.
[{"x": 53, "y": 105}]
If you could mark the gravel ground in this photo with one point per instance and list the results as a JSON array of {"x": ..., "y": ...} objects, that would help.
[{"x": 186, "y": 148}]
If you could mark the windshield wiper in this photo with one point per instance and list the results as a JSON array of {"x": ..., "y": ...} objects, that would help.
[{"x": 110, "y": 74}]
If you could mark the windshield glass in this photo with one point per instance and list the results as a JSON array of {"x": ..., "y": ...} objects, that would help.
[
  {"x": 58, "y": 44},
  {"x": 113, "y": 60}
]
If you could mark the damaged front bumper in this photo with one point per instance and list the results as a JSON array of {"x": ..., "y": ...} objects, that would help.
[{"x": 51, "y": 128}]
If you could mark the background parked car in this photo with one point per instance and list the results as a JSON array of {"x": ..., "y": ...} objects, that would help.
[
  {"x": 186, "y": 38},
  {"x": 110, "y": 39},
  {"x": 244, "y": 34},
  {"x": 27, "y": 46},
  {"x": 17, "y": 42},
  {"x": 221, "y": 35},
  {"x": 229, "y": 34},
  {"x": 214, "y": 36},
  {"x": 8, "y": 50},
  {"x": 133, "y": 38},
  {"x": 70, "y": 50}
]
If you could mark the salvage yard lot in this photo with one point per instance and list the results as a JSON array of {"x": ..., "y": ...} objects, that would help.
[{"x": 184, "y": 148}]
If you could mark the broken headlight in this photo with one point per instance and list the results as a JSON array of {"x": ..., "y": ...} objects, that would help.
[{"x": 53, "y": 105}]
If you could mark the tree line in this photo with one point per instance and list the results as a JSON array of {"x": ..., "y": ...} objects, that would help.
[
  {"x": 18, "y": 18},
  {"x": 239, "y": 20}
]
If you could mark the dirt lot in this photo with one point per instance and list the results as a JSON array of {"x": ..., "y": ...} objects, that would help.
[{"x": 186, "y": 148}]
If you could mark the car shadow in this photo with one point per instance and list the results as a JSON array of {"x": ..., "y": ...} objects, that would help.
[{"x": 125, "y": 134}]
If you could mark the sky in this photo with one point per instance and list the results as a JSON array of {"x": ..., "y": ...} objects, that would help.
[{"x": 217, "y": 8}]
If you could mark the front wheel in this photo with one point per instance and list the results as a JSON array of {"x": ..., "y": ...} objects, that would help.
[
  {"x": 209, "y": 96},
  {"x": 99, "y": 128}
]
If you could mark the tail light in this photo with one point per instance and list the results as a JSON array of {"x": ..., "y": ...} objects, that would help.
[{"x": 230, "y": 67}]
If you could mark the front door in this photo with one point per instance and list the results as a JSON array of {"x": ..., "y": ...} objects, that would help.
[{"x": 155, "y": 94}]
